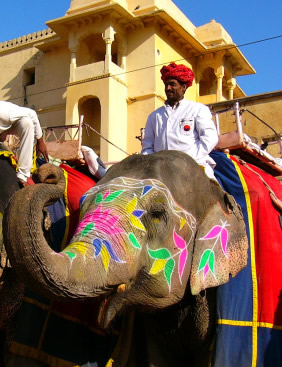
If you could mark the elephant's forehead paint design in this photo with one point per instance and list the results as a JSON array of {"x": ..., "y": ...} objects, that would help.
[
  {"x": 111, "y": 219},
  {"x": 127, "y": 186}
]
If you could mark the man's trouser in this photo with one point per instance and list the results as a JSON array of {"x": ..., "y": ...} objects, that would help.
[{"x": 24, "y": 130}]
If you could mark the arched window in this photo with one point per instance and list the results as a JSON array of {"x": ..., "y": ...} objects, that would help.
[{"x": 90, "y": 108}]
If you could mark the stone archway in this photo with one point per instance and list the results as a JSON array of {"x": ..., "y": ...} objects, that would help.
[{"x": 90, "y": 108}]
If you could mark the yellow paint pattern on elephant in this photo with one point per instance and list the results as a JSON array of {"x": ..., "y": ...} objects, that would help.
[
  {"x": 158, "y": 266},
  {"x": 132, "y": 205},
  {"x": 105, "y": 257},
  {"x": 79, "y": 247},
  {"x": 137, "y": 223},
  {"x": 182, "y": 222}
]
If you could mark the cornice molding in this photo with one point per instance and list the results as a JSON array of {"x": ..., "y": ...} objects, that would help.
[
  {"x": 104, "y": 76},
  {"x": 143, "y": 97},
  {"x": 53, "y": 108},
  {"x": 27, "y": 39}
]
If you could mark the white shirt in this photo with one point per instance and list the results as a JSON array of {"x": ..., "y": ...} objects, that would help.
[
  {"x": 10, "y": 113},
  {"x": 188, "y": 127}
]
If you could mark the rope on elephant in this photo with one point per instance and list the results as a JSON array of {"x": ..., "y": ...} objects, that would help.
[
  {"x": 95, "y": 131},
  {"x": 274, "y": 198}
]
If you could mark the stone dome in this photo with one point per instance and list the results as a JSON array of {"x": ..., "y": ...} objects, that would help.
[
  {"x": 77, "y": 5},
  {"x": 212, "y": 34}
]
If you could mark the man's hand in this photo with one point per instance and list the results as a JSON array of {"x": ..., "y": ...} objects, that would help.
[{"x": 41, "y": 148}]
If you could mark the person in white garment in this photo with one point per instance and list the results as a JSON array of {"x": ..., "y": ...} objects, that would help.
[
  {"x": 181, "y": 124},
  {"x": 94, "y": 163},
  {"x": 22, "y": 122}
]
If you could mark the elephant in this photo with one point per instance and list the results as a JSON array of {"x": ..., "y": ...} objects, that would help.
[
  {"x": 11, "y": 289},
  {"x": 156, "y": 236}
]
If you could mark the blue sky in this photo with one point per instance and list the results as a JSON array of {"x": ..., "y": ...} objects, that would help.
[{"x": 245, "y": 21}]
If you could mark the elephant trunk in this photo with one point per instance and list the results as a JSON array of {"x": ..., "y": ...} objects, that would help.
[{"x": 44, "y": 270}]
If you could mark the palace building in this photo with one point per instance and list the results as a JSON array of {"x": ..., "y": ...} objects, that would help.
[{"x": 102, "y": 60}]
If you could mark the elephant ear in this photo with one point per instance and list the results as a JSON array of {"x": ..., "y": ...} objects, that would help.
[{"x": 221, "y": 246}]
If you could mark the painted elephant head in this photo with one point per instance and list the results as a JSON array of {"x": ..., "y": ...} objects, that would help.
[{"x": 150, "y": 226}]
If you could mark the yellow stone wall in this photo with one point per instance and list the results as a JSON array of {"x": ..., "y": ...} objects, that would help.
[
  {"x": 74, "y": 74},
  {"x": 12, "y": 65},
  {"x": 266, "y": 107},
  {"x": 48, "y": 94}
]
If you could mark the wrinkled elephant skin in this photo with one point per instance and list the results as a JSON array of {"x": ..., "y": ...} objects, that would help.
[{"x": 152, "y": 226}]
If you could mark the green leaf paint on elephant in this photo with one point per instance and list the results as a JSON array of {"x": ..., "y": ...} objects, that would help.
[
  {"x": 207, "y": 262},
  {"x": 112, "y": 196},
  {"x": 99, "y": 198},
  {"x": 159, "y": 254},
  {"x": 169, "y": 267},
  {"x": 87, "y": 229},
  {"x": 133, "y": 240}
]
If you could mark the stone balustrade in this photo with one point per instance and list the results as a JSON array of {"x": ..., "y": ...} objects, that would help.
[{"x": 31, "y": 37}]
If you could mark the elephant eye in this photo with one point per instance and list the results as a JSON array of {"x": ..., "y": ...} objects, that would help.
[
  {"x": 158, "y": 215},
  {"x": 157, "y": 211}
]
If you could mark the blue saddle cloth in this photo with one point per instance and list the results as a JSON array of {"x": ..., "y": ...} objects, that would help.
[{"x": 249, "y": 306}]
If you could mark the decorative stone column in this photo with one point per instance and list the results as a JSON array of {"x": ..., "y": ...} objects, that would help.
[
  {"x": 231, "y": 84},
  {"x": 108, "y": 56},
  {"x": 123, "y": 62},
  {"x": 219, "y": 73},
  {"x": 108, "y": 37},
  {"x": 73, "y": 64},
  {"x": 73, "y": 50}
]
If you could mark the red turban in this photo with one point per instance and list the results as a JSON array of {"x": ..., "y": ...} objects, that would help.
[{"x": 179, "y": 72}]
